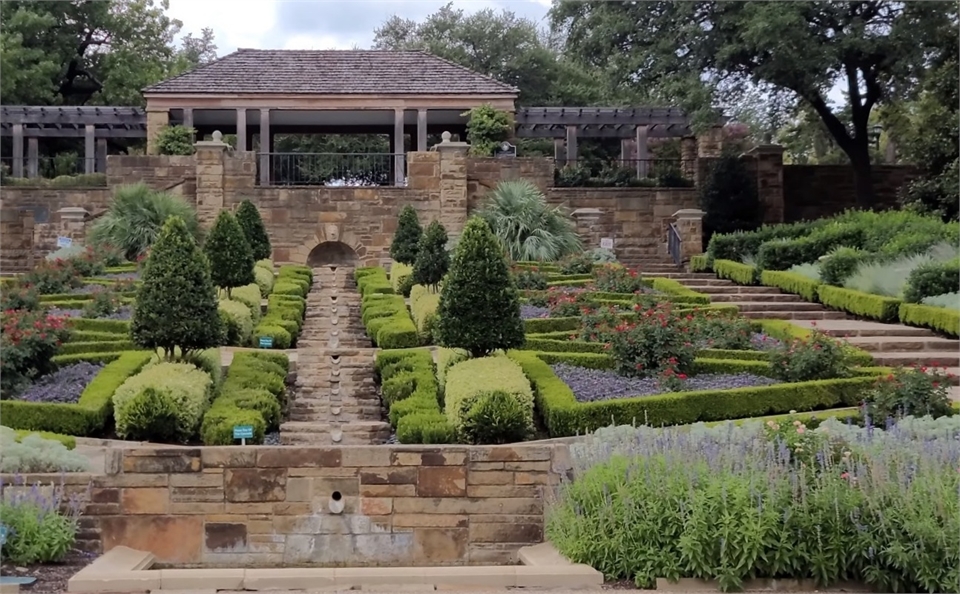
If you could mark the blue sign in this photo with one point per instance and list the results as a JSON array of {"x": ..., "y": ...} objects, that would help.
[
  {"x": 64, "y": 242},
  {"x": 266, "y": 342},
  {"x": 243, "y": 431}
]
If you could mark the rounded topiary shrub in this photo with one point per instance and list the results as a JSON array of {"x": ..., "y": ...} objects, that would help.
[
  {"x": 165, "y": 402},
  {"x": 496, "y": 418}
]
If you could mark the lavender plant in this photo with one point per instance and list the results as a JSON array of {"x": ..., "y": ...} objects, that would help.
[
  {"x": 41, "y": 523},
  {"x": 733, "y": 502}
]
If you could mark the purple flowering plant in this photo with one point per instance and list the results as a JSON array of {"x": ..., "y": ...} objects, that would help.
[{"x": 41, "y": 522}]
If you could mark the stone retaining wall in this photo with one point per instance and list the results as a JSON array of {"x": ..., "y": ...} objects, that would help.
[{"x": 271, "y": 506}]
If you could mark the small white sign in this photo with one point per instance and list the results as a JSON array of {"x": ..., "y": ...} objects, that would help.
[
  {"x": 64, "y": 242},
  {"x": 606, "y": 243}
]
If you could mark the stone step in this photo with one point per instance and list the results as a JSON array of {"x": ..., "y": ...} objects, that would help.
[
  {"x": 322, "y": 433},
  {"x": 931, "y": 358},
  {"x": 796, "y": 306},
  {"x": 730, "y": 289},
  {"x": 846, "y": 328},
  {"x": 795, "y": 315},
  {"x": 887, "y": 344},
  {"x": 692, "y": 276},
  {"x": 755, "y": 298}
]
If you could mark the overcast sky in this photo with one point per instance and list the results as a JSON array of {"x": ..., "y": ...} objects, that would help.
[{"x": 316, "y": 24}]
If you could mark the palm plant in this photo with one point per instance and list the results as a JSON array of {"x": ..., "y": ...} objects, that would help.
[
  {"x": 135, "y": 216},
  {"x": 526, "y": 226}
]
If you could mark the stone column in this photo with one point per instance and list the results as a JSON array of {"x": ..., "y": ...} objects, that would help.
[
  {"x": 689, "y": 222},
  {"x": 421, "y": 130},
  {"x": 571, "y": 145},
  {"x": 157, "y": 119},
  {"x": 398, "y": 147},
  {"x": 453, "y": 184},
  {"x": 73, "y": 222},
  {"x": 558, "y": 154},
  {"x": 688, "y": 157},
  {"x": 210, "y": 169},
  {"x": 241, "y": 128},
  {"x": 709, "y": 148},
  {"x": 16, "y": 235},
  {"x": 188, "y": 119},
  {"x": 588, "y": 226},
  {"x": 33, "y": 157},
  {"x": 17, "y": 170},
  {"x": 101, "y": 155},
  {"x": 265, "y": 147},
  {"x": 770, "y": 181},
  {"x": 89, "y": 149},
  {"x": 643, "y": 152}
]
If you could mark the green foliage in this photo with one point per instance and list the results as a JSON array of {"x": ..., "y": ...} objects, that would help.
[
  {"x": 527, "y": 226},
  {"x": 248, "y": 397},
  {"x": 423, "y": 309},
  {"x": 818, "y": 357},
  {"x": 487, "y": 129},
  {"x": 931, "y": 279},
  {"x": 479, "y": 308},
  {"x": 876, "y": 307},
  {"x": 729, "y": 197},
  {"x": 265, "y": 279},
  {"x": 406, "y": 241},
  {"x": 236, "y": 322},
  {"x": 68, "y": 441},
  {"x": 384, "y": 315},
  {"x": 135, "y": 217},
  {"x": 228, "y": 253},
  {"x": 37, "y": 530},
  {"x": 936, "y": 318},
  {"x": 176, "y": 305},
  {"x": 701, "y": 263},
  {"x": 165, "y": 402},
  {"x": 790, "y": 282},
  {"x": 563, "y": 416},
  {"x": 410, "y": 392},
  {"x": 917, "y": 392},
  {"x": 401, "y": 278},
  {"x": 433, "y": 260},
  {"x": 948, "y": 300},
  {"x": 742, "y": 274},
  {"x": 29, "y": 341},
  {"x": 473, "y": 394},
  {"x": 841, "y": 264},
  {"x": 253, "y": 229},
  {"x": 175, "y": 140},
  {"x": 36, "y": 453},
  {"x": 616, "y": 278},
  {"x": 658, "y": 340}
]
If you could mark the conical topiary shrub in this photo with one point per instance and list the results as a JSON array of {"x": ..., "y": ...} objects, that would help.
[
  {"x": 231, "y": 260},
  {"x": 479, "y": 307},
  {"x": 406, "y": 241},
  {"x": 176, "y": 306},
  {"x": 433, "y": 260},
  {"x": 253, "y": 229}
]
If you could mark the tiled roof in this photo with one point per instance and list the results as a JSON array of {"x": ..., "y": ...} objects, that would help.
[{"x": 332, "y": 72}]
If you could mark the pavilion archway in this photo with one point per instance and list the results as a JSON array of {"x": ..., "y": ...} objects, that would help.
[{"x": 332, "y": 253}]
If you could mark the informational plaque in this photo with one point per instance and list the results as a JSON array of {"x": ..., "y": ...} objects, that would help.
[{"x": 606, "y": 243}]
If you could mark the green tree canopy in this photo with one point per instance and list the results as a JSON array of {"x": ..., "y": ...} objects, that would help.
[
  {"x": 406, "y": 241},
  {"x": 433, "y": 260},
  {"x": 176, "y": 305},
  {"x": 229, "y": 254},
  {"x": 85, "y": 52},
  {"x": 703, "y": 53},
  {"x": 479, "y": 307},
  {"x": 253, "y": 229}
]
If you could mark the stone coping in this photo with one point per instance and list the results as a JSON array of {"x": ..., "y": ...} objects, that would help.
[{"x": 125, "y": 569}]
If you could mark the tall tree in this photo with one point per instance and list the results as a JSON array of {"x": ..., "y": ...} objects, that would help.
[
  {"x": 91, "y": 52},
  {"x": 702, "y": 52},
  {"x": 229, "y": 254}
]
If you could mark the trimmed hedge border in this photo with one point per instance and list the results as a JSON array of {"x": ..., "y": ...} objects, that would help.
[
  {"x": 867, "y": 305},
  {"x": 251, "y": 394},
  {"x": 412, "y": 395},
  {"x": 742, "y": 274},
  {"x": 564, "y": 416},
  {"x": 701, "y": 263},
  {"x": 940, "y": 319},
  {"x": 91, "y": 413},
  {"x": 384, "y": 314},
  {"x": 679, "y": 293},
  {"x": 791, "y": 282}
]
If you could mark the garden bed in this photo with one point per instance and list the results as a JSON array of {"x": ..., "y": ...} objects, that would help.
[
  {"x": 64, "y": 385},
  {"x": 124, "y": 313},
  {"x": 51, "y": 578}
]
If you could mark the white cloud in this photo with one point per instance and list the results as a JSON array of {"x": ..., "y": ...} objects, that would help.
[{"x": 235, "y": 23}]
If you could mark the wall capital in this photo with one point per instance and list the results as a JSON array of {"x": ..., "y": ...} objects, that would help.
[
  {"x": 73, "y": 213},
  {"x": 766, "y": 149},
  {"x": 216, "y": 144},
  {"x": 688, "y": 214},
  {"x": 448, "y": 145}
]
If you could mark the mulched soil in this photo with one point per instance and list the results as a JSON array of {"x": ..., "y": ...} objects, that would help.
[{"x": 51, "y": 577}]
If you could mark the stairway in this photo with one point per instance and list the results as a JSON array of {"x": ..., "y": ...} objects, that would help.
[{"x": 335, "y": 399}]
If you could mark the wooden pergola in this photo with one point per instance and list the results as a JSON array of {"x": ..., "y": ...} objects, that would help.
[
  {"x": 566, "y": 124},
  {"x": 94, "y": 124}
]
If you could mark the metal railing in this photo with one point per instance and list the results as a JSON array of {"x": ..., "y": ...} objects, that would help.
[
  {"x": 49, "y": 167},
  {"x": 674, "y": 244},
  {"x": 624, "y": 172},
  {"x": 331, "y": 169}
]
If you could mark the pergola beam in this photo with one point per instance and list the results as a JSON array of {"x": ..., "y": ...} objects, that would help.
[
  {"x": 605, "y": 116},
  {"x": 548, "y": 131},
  {"x": 77, "y": 132},
  {"x": 76, "y": 116}
]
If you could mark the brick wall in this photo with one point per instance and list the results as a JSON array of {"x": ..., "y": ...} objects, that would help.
[
  {"x": 484, "y": 173},
  {"x": 176, "y": 174},
  {"x": 816, "y": 191},
  {"x": 269, "y": 506}
]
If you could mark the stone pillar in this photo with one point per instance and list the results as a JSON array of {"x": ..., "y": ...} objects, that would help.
[
  {"x": 625, "y": 152},
  {"x": 558, "y": 154},
  {"x": 101, "y": 155},
  {"x": 188, "y": 118},
  {"x": 241, "y": 128},
  {"x": 689, "y": 222},
  {"x": 157, "y": 120},
  {"x": 709, "y": 147},
  {"x": 688, "y": 157},
  {"x": 73, "y": 222},
  {"x": 643, "y": 152},
  {"x": 770, "y": 181},
  {"x": 210, "y": 169},
  {"x": 421, "y": 130},
  {"x": 588, "y": 226},
  {"x": 90, "y": 149},
  {"x": 571, "y": 145},
  {"x": 17, "y": 170},
  {"x": 265, "y": 147},
  {"x": 16, "y": 237},
  {"x": 33, "y": 157},
  {"x": 398, "y": 148},
  {"x": 453, "y": 184}
]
